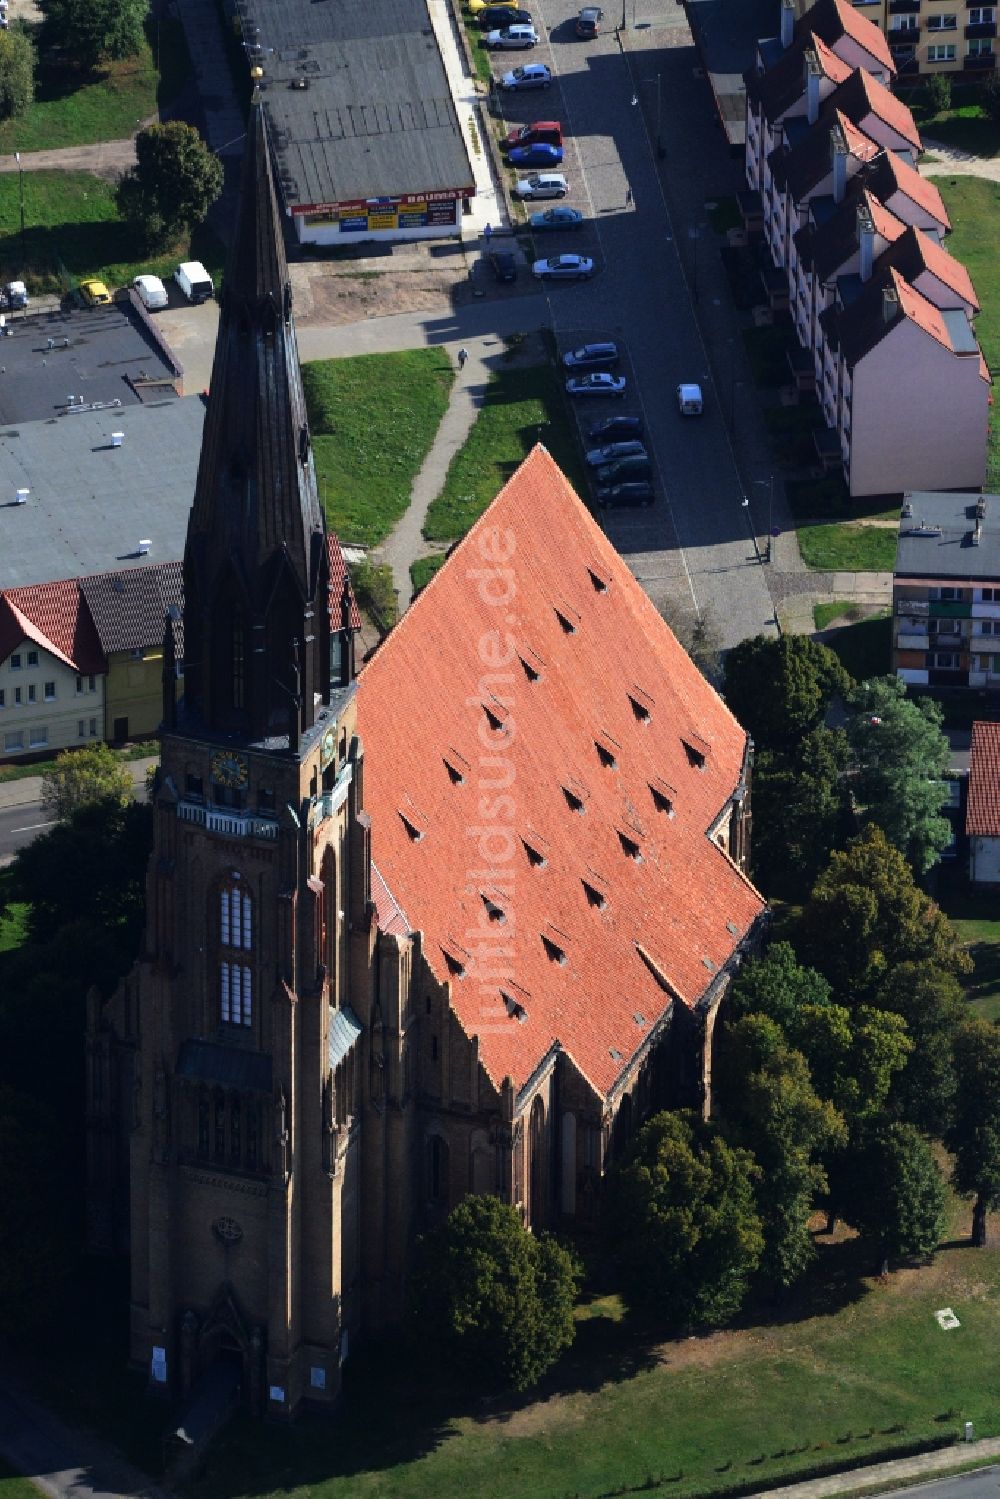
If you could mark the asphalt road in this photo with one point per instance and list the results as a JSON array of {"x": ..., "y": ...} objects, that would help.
[
  {"x": 21, "y": 823},
  {"x": 984, "y": 1483},
  {"x": 696, "y": 541}
]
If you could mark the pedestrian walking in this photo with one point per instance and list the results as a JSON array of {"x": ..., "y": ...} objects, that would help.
[
  {"x": 488, "y": 233},
  {"x": 628, "y": 197},
  {"x": 463, "y": 355}
]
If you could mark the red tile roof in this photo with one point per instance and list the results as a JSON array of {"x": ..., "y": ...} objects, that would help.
[
  {"x": 836, "y": 18},
  {"x": 862, "y": 94},
  {"x": 55, "y": 616},
  {"x": 915, "y": 251},
  {"x": 921, "y": 189},
  {"x": 982, "y": 813},
  {"x": 886, "y": 224},
  {"x": 544, "y": 764},
  {"x": 338, "y": 573},
  {"x": 833, "y": 66}
]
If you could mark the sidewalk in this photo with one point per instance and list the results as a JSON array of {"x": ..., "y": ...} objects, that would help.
[{"x": 879, "y": 1477}]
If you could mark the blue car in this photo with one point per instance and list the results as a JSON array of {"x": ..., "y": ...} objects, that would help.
[{"x": 538, "y": 154}]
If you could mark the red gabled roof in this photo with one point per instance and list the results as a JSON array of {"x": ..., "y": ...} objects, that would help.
[
  {"x": 941, "y": 263},
  {"x": 55, "y": 616},
  {"x": 834, "y": 67},
  {"x": 921, "y": 189},
  {"x": 862, "y": 94},
  {"x": 982, "y": 813},
  {"x": 835, "y": 18},
  {"x": 544, "y": 764}
]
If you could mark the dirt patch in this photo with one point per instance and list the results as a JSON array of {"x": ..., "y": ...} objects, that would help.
[
  {"x": 334, "y": 294},
  {"x": 535, "y": 1418}
]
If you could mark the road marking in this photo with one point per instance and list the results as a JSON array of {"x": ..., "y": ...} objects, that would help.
[{"x": 34, "y": 827}]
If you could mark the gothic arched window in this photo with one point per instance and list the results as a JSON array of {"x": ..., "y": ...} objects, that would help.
[{"x": 236, "y": 940}]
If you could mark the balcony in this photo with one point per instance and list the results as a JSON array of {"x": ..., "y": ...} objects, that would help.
[
  {"x": 904, "y": 7},
  {"x": 903, "y": 39},
  {"x": 227, "y": 821},
  {"x": 983, "y": 63},
  {"x": 982, "y": 28}
]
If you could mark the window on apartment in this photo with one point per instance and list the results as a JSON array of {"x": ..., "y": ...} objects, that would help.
[
  {"x": 982, "y": 15},
  {"x": 31, "y": 693},
  {"x": 81, "y": 728},
  {"x": 93, "y": 728},
  {"x": 903, "y": 23},
  {"x": 989, "y": 626},
  {"x": 39, "y": 738},
  {"x": 941, "y": 53},
  {"x": 50, "y": 692},
  {"x": 15, "y": 661},
  {"x": 17, "y": 695},
  {"x": 2, "y": 697},
  {"x": 14, "y": 741},
  {"x": 945, "y": 21},
  {"x": 91, "y": 684},
  {"x": 983, "y": 47},
  {"x": 79, "y": 684},
  {"x": 946, "y": 660},
  {"x": 32, "y": 658}
]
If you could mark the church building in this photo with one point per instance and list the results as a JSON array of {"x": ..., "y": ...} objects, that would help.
[{"x": 457, "y": 924}]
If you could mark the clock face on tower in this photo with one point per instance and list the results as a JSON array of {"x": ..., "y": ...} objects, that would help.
[{"x": 230, "y": 769}]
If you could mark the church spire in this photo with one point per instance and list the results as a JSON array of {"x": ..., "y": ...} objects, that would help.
[{"x": 256, "y": 568}]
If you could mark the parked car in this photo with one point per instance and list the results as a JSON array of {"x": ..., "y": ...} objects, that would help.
[
  {"x": 630, "y": 447},
  {"x": 592, "y": 357},
  {"x": 588, "y": 22},
  {"x": 504, "y": 265},
  {"x": 562, "y": 217},
  {"x": 15, "y": 296},
  {"x": 194, "y": 281},
  {"x": 629, "y": 492},
  {"x": 95, "y": 293},
  {"x": 538, "y": 154},
  {"x": 541, "y": 185},
  {"x": 497, "y": 17},
  {"x": 637, "y": 467},
  {"x": 511, "y": 37},
  {"x": 689, "y": 400},
  {"x": 600, "y": 383},
  {"x": 563, "y": 268},
  {"x": 613, "y": 427},
  {"x": 549, "y": 131},
  {"x": 151, "y": 292},
  {"x": 532, "y": 75}
]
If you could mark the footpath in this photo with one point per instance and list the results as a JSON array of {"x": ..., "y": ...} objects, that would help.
[{"x": 882, "y": 1477}]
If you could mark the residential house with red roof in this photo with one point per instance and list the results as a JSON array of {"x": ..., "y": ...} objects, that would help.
[
  {"x": 845, "y": 240},
  {"x": 982, "y": 810},
  {"x": 559, "y": 815},
  {"x": 924, "y": 38},
  {"x": 52, "y": 671}
]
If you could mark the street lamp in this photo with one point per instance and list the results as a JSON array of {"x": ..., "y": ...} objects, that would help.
[
  {"x": 745, "y": 505},
  {"x": 20, "y": 176},
  {"x": 769, "y": 485}
]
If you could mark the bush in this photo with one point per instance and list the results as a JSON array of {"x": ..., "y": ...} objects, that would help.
[
  {"x": 173, "y": 184},
  {"x": 17, "y": 72},
  {"x": 936, "y": 93},
  {"x": 990, "y": 97}
]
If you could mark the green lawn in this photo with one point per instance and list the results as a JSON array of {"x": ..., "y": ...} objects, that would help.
[
  {"x": 973, "y": 204},
  {"x": 13, "y": 925},
  {"x": 423, "y": 570},
  {"x": 975, "y": 917},
  {"x": 825, "y": 614},
  {"x": 842, "y": 1370},
  {"x": 522, "y": 406},
  {"x": 373, "y": 418},
  {"x": 964, "y": 126},
  {"x": 834, "y": 547},
  {"x": 73, "y": 231},
  {"x": 12, "y": 1486},
  {"x": 865, "y": 648},
  {"x": 75, "y": 109}
]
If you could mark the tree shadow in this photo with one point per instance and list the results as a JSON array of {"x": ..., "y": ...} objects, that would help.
[{"x": 838, "y": 1277}]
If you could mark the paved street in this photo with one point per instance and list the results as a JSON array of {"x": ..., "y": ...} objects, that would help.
[{"x": 22, "y": 816}]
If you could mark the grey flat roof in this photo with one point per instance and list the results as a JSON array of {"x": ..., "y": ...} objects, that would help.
[
  {"x": 90, "y": 504},
  {"x": 952, "y": 554},
  {"x": 108, "y": 347},
  {"x": 377, "y": 118}
]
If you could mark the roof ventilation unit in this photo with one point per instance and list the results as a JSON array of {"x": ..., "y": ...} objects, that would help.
[
  {"x": 117, "y": 438},
  {"x": 21, "y": 496},
  {"x": 144, "y": 546}
]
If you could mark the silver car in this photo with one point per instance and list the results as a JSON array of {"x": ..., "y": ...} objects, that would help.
[
  {"x": 563, "y": 268},
  {"x": 612, "y": 450},
  {"x": 512, "y": 36},
  {"x": 541, "y": 185}
]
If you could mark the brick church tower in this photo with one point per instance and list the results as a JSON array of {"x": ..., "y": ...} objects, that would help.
[{"x": 228, "y": 1064}]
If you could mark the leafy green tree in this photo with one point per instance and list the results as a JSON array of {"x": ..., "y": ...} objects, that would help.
[
  {"x": 776, "y": 985},
  {"x": 898, "y": 1199},
  {"x": 936, "y": 93},
  {"x": 681, "y": 1219},
  {"x": 17, "y": 72},
  {"x": 493, "y": 1299},
  {"x": 901, "y": 758},
  {"x": 866, "y": 915},
  {"x": 84, "y": 776},
  {"x": 34, "y": 1224},
  {"x": 173, "y": 184},
  {"x": 975, "y": 1134},
  {"x": 800, "y": 810},
  {"x": 989, "y": 95},
  {"x": 931, "y": 1003},
  {"x": 774, "y": 1111},
  {"x": 90, "y": 32},
  {"x": 780, "y": 689}
]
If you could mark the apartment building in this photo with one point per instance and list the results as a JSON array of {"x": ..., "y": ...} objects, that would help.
[
  {"x": 52, "y": 671},
  {"x": 946, "y": 591},
  {"x": 933, "y": 36}
]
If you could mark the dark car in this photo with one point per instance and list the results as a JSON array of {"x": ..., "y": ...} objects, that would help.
[
  {"x": 631, "y": 492},
  {"x": 614, "y": 427},
  {"x": 538, "y": 154},
  {"x": 602, "y": 356},
  {"x": 500, "y": 16},
  {"x": 504, "y": 265},
  {"x": 610, "y": 452},
  {"x": 588, "y": 22},
  {"x": 623, "y": 468}
]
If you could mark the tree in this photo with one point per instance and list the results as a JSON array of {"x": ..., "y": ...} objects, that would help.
[
  {"x": 34, "y": 1223},
  {"x": 866, "y": 915},
  {"x": 780, "y": 689},
  {"x": 95, "y": 31},
  {"x": 931, "y": 1003},
  {"x": 492, "y": 1298},
  {"x": 82, "y": 777},
  {"x": 800, "y": 810},
  {"x": 777, "y": 986},
  {"x": 17, "y": 72},
  {"x": 989, "y": 95},
  {"x": 699, "y": 634},
  {"x": 899, "y": 1195},
  {"x": 173, "y": 184},
  {"x": 975, "y": 1135},
  {"x": 681, "y": 1219},
  {"x": 773, "y": 1110},
  {"x": 901, "y": 758},
  {"x": 937, "y": 93}
]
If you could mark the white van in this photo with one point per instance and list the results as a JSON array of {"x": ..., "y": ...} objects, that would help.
[
  {"x": 194, "y": 281},
  {"x": 151, "y": 292},
  {"x": 689, "y": 401}
]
